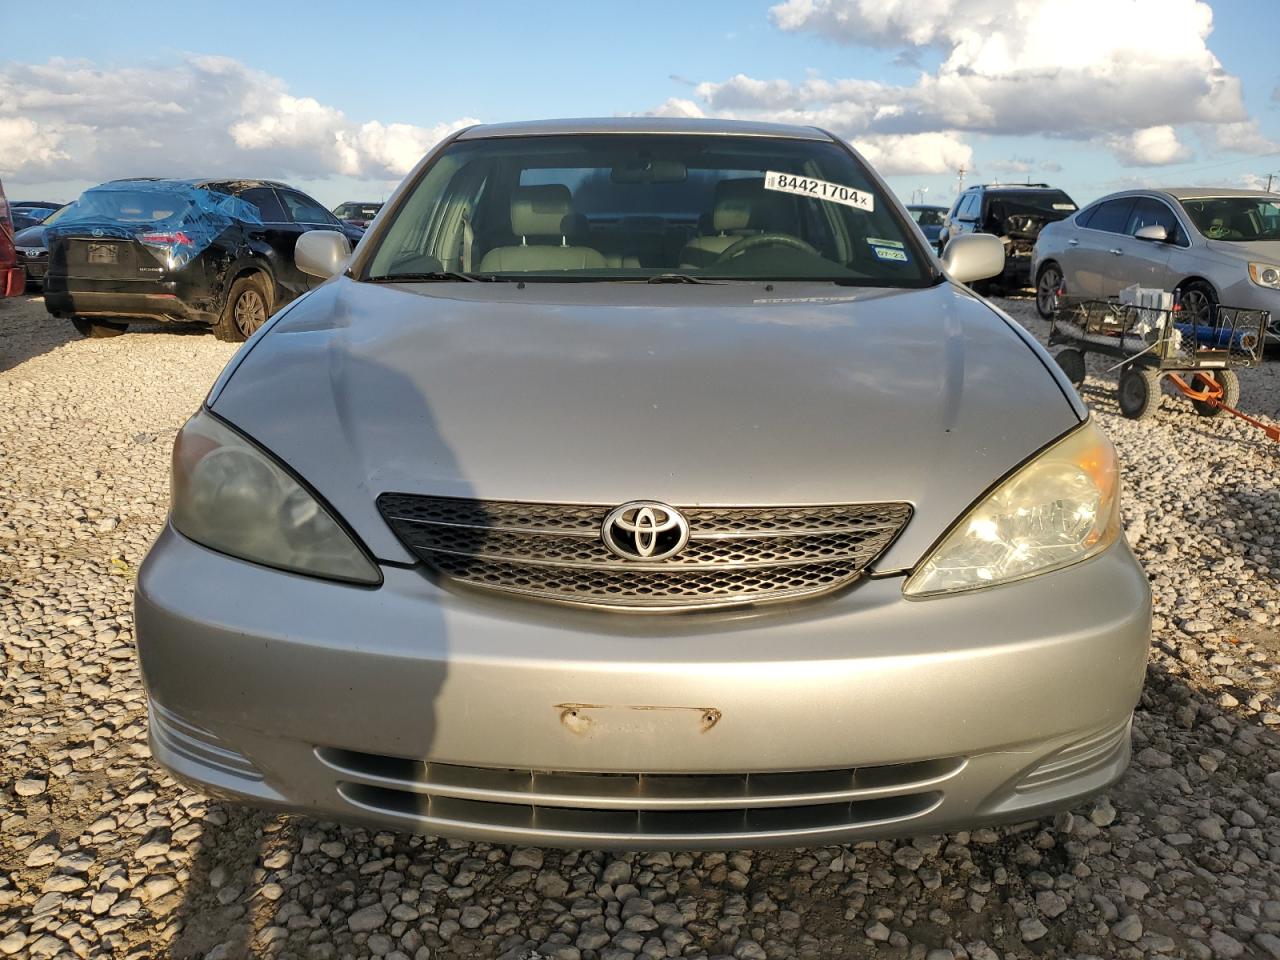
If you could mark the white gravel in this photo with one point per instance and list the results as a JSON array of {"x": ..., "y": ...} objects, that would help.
[{"x": 102, "y": 855}]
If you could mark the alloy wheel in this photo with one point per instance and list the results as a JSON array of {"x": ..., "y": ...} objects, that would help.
[
  {"x": 251, "y": 312},
  {"x": 1198, "y": 306},
  {"x": 1047, "y": 291}
]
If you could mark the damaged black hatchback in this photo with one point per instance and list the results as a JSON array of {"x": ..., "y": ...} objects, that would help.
[
  {"x": 1016, "y": 213},
  {"x": 218, "y": 252}
]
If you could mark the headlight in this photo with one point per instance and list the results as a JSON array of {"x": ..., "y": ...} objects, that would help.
[
  {"x": 231, "y": 496},
  {"x": 1265, "y": 275},
  {"x": 1060, "y": 508}
]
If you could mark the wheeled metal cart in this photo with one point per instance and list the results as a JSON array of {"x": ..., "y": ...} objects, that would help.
[{"x": 1197, "y": 352}]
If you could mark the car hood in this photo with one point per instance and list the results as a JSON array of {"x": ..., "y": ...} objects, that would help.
[
  {"x": 30, "y": 237},
  {"x": 1267, "y": 251},
  {"x": 725, "y": 394}
]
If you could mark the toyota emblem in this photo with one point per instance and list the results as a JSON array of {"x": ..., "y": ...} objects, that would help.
[{"x": 645, "y": 530}]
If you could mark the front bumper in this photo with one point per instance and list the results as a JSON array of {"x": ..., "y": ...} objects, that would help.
[
  {"x": 1245, "y": 294},
  {"x": 34, "y": 267},
  {"x": 858, "y": 715}
]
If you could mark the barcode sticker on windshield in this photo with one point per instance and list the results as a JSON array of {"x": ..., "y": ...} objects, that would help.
[
  {"x": 1064, "y": 206},
  {"x": 819, "y": 189}
]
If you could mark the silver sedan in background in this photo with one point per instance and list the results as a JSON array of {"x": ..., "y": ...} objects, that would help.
[
  {"x": 645, "y": 483},
  {"x": 1217, "y": 246}
]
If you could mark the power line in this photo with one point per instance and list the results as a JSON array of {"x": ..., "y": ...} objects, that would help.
[{"x": 1226, "y": 163}]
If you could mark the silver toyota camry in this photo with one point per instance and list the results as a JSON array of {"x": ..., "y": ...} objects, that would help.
[{"x": 644, "y": 484}]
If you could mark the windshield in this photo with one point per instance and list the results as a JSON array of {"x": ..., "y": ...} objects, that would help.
[
  {"x": 59, "y": 214},
  {"x": 634, "y": 207},
  {"x": 928, "y": 216},
  {"x": 357, "y": 211},
  {"x": 1235, "y": 218}
]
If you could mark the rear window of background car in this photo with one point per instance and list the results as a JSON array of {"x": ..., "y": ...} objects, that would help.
[{"x": 129, "y": 206}]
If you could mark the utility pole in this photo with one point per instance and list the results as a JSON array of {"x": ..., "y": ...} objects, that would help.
[
  {"x": 960, "y": 180},
  {"x": 1270, "y": 177}
]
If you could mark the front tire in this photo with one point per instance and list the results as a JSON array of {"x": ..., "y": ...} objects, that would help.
[
  {"x": 1230, "y": 383},
  {"x": 1047, "y": 285},
  {"x": 1139, "y": 394},
  {"x": 246, "y": 310},
  {"x": 97, "y": 329},
  {"x": 1200, "y": 301}
]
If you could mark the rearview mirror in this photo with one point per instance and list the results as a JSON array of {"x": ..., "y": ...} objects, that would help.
[
  {"x": 1153, "y": 232},
  {"x": 975, "y": 256},
  {"x": 322, "y": 253},
  {"x": 649, "y": 170}
]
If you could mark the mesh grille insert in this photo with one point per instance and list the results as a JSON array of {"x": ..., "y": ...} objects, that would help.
[{"x": 556, "y": 552}]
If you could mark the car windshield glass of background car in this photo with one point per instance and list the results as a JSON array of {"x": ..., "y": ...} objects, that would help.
[
  {"x": 928, "y": 216},
  {"x": 630, "y": 207},
  {"x": 1235, "y": 218}
]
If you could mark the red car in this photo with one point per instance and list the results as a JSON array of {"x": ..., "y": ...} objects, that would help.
[{"x": 13, "y": 279}]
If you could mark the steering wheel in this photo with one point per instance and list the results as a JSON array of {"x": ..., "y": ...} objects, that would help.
[{"x": 765, "y": 240}]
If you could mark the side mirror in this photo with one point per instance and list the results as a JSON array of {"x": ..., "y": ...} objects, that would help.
[
  {"x": 974, "y": 256},
  {"x": 1154, "y": 232},
  {"x": 322, "y": 253}
]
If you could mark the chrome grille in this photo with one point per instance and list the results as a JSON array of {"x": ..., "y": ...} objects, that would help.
[{"x": 555, "y": 551}]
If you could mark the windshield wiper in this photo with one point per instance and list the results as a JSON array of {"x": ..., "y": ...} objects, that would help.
[
  {"x": 676, "y": 278},
  {"x": 438, "y": 276}
]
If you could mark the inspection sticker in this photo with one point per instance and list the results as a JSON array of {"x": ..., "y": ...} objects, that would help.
[
  {"x": 820, "y": 189},
  {"x": 893, "y": 250},
  {"x": 888, "y": 253}
]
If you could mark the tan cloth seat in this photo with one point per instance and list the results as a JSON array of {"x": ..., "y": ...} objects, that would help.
[{"x": 538, "y": 215}]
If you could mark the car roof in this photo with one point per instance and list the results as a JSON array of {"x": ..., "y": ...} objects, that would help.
[
  {"x": 657, "y": 125},
  {"x": 1188, "y": 193},
  {"x": 243, "y": 183},
  {"x": 925, "y": 206},
  {"x": 1011, "y": 187}
]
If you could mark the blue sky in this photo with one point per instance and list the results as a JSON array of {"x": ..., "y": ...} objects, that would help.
[{"x": 431, "y": 65}]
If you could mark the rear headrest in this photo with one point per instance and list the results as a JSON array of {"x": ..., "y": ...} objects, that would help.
[
  {"x": 539, "y": 211},
  {"x": 735, "y": 201}
]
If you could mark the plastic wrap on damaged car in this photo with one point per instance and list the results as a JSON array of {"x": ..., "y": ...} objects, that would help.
[{"x": 176, "y": 221}]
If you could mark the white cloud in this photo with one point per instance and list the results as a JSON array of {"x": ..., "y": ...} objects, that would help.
[
  {"x": 1109, "y": 71},
  {"x": 1151, "y": 147},
  {"x": 74, "y": 120},
  {"x": 29, "y": 146},
  {"x": 1014, "y": 165},
  {"x": 893, "y": 154},
  {"x": 1250, "y": 181},
  {"x": 677, "y": 107},
  {"x": 1245, "y": 137}
]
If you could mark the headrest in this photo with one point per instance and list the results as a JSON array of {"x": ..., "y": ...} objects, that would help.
[
  {"x": 539, "y": 211},
  {"x": 735, "y": 201}
]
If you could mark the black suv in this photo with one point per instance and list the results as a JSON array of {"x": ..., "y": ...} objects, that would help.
[
  {"x": 211, "y": 251},
  {"x": 1016, "y": 213}
]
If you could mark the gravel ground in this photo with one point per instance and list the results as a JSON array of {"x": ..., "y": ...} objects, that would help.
[{"x": 102, "y": 855}]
